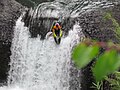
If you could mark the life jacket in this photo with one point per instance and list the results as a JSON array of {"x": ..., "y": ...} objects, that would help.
[
  {"x": 55, "y": 28},
  {"x": 54, "y": 35}
]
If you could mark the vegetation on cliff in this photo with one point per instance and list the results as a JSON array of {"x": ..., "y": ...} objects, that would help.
[{"x": 106, "y": 56}]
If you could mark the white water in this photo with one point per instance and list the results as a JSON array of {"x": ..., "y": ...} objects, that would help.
[{"x": 40, "y": 64}]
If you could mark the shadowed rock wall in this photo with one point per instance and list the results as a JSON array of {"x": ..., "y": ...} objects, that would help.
[{"x": 10, "y": 10}]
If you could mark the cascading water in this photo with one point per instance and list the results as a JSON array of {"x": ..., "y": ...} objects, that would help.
[{"x": 40, "y": 64}]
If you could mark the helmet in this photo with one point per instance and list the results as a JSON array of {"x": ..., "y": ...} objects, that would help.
[{"x": 57, "y": 24}]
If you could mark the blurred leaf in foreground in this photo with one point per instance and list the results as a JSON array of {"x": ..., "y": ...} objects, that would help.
[
  {"x": 82, "y": 54},
  {"x": 106, "y": 64}
]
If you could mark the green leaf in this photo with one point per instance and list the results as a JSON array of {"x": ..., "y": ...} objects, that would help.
[
  {"x": 83, "y": 54},
  {"x": 106, "y": 64}
]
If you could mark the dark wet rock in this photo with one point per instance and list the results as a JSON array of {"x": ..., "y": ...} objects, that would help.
[
  {"x": 42, "y": 25},
  {"x": 9, "y": 13},
  {"x": 67, "y": 24},
  {"x": 4, "y": 60},
  {"x": 87, "y": 78},
  {"x": 32, "y": 3},
  {"x": 10, "y": 10},
  {"x": 37, "y": 25},
  {"x": 96, "y": 27}
]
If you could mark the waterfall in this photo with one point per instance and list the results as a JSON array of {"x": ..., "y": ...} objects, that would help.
[{"x": 40, "y": 64}]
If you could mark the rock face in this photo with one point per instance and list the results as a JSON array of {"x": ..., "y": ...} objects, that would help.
[
  {"x": 96, "y": 27},
  {"x": 10, "y": 10},
  {"x": 32, "y": 3}
]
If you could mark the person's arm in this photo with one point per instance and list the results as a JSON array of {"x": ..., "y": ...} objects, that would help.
[{"x": 59, "y": 27}]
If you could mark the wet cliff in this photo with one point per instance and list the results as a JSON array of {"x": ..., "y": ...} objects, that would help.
[
  {"x": 96, "y": 27},
  {"x": 10, "y": 10}
]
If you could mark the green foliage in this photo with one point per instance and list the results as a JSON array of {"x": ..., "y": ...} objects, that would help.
[
  {"x": 83, "y": 54},
  {"x": 108, "y": 16},
  {"x": 98, "y": 85},
  {"x": 106, "y": 63},
  {"x": 114, "y": 82}
]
